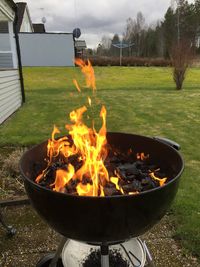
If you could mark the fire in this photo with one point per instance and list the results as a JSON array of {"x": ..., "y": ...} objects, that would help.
[
  {"x": 142, "y": 156},
  {"x": 88, "y": 146},
  {"x": 160, "y": 180},
  {"x": 115, "y": 181},
  {"x": 62, "y": 178},
  {"x": 76, "y": 85},
  {"x": 88, "y": 71}
]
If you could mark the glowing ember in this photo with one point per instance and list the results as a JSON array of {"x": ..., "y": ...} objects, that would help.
[{"x": 84, "y": 151}]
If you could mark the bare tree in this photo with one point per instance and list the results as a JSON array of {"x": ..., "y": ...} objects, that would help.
[
  {"x": 106, "y": 42},
  {"x": 182, "y": 54}
]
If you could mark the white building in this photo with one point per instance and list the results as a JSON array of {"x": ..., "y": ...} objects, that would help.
[
  {"x": 11, "y": 79},
  {"x": 24, "y": 23}
]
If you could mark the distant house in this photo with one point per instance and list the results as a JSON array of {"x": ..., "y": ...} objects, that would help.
[
  {"x": 24, "y": 23},
  {"x": 39, "y": 28},
  {"x": 11, "y": 79},
  {"x": 80, "y": 46}
]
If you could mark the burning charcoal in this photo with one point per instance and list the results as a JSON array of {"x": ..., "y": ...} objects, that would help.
[
  {"x": 110, "y": 185},
  {"x": 71, "y": 186},
  {"x": 75, "y": 161},
  {"x": 114, "y": 159},
  {"x": 147, "y": 183},
  {"x": 86, "y": 180},
  {"x": 137, "y": 185},
  {"x": 131, "y": 177},
  {"x": 134, "y": 174},
  {"x": 129, "y": 168},
  {"x": 152, "y": 167},
  {"x": 139, "y": 164},
  {"x": 121, "y": 173},
  {"x": 110, "y": 190},
  {"x": 132, "y": 187},
  {"x": 160, "y": 174}
]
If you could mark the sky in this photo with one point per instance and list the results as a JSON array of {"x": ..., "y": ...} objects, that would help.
[{"x": 95, "y": 18}]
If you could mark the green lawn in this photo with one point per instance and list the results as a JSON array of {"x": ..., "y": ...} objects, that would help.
[{"x": 138, "y": 100}]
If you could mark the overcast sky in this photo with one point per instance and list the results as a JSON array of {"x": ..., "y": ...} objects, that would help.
[{"x": 95, "y": 18}]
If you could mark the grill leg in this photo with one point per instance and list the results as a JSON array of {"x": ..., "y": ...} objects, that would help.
[
  {"x": 148, "y": 256},
  {"x": 58, "y": 252},
  {"x": 104, "y": 256},
  {"x": 10, "y": 230}
]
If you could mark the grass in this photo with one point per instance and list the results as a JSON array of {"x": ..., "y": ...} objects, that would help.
[{"x": 138, "y": 100}]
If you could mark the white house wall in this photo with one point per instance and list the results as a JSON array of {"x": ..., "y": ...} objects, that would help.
[
  {"x": 10, "y": 93},
  {"x": 10, "y": 86},
  {"x": 5, "y": 42},
  {"x": 46, "y": 49}
]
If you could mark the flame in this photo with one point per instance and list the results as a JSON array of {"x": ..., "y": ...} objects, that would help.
[
  {"x": 84, "y": 190},
  {"x": 76, "y": 85},
  {"x": 62, "y": 178},
  {"x": 89, "y": 101},
  {"x": 160, "y": 180},
  {"x": 133, "y": 193},
  {"x": 115, "y": 181},
  {"x": 91, "y": 146},
  {"x": 142, "y": 156},
  {"x": 88, "y": 145},
  {"x": 88, "y": 71}
]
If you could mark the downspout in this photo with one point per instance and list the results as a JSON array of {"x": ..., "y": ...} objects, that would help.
[
  {"x": 75, "y": 50},
  {"x": 19, "y": 56}
]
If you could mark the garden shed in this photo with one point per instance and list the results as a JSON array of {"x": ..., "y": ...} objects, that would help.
[{"x": 11, "y": 79}]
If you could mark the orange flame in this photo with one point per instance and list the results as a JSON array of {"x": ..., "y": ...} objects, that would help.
[
  {"x": 142, "y": 156},
  {"x": 89, "y": 146},
  {"x": 160, "y": 180},
  {"x": 115, "y": 181},
  {"x": 76, "y": 85},
  {"x": 62, "y": 178},
  {"x": 88, "y": 71}
]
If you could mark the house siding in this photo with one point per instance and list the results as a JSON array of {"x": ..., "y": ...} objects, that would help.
[
  {"x": 10, "y": 84},
  {"x": 6, "y": 60},
  {"x": 10, "y": 93},
  {"x": 5, "y": 42}
]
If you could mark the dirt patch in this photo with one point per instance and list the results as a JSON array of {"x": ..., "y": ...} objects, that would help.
[
  {"x": 11, "y": 183},
  {"x": 34, "y": 239}
]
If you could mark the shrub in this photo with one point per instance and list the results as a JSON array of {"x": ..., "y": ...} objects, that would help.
[
  {"x": 130, "y": 61},
  {"x": 181, "y": 57}
]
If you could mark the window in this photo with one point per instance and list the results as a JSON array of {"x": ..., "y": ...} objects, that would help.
[{"x": 3, "y": 26}]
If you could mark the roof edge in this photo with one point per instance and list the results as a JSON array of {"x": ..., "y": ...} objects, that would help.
[{"x": 12, "y": 4}]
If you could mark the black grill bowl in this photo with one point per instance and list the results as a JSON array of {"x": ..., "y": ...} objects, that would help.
[{"x": 105, "y": 219}]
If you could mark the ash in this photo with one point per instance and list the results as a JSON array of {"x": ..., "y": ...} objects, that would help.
[{"x": 115, "y": 259}]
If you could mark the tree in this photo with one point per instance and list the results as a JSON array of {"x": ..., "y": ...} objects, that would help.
[
  {"x": 181, "y": 56},
  {"x": 113, "y": 50},
  {"x": 181, "y": 23},
  {"x": 106, "y": 44},
  {"x": 135, "y": 33},
  {"x": 169, "y": 29}
]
